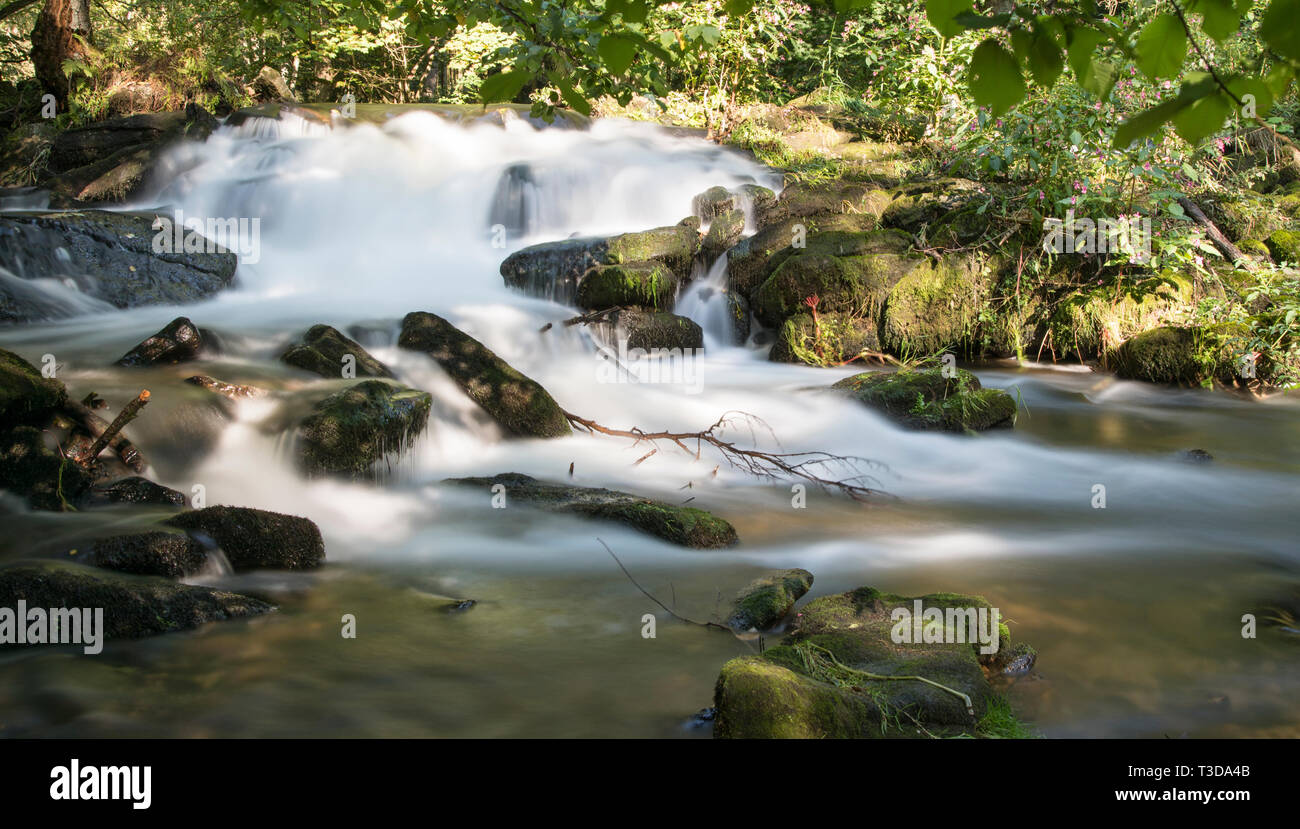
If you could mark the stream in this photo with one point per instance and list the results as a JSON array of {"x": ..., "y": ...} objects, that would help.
[{"x": 1135, "y": 609}]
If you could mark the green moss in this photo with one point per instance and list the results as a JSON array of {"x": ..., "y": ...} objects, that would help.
[
  {"x": 348, "y": 432},
  {"x": 26, "y": 398},
  {"x": 639, "y": 284},
  {"x": 768, "y": 599},
  {"x": 925, "y": 399},
  {"x": 674, "y": 246},
  {"x": 831, "y": 341},
  {"x": 936, "y": 307},
  {"x": 1284, "y": 245},
  {"x": 1161, "y": 355},
  {"x": 323, "y": 350},
  {"x": 1000, "y": 722}
]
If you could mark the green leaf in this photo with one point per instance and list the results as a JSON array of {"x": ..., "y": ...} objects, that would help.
[
  {"x": 942, "y": 12},
  {"x": 1045, "y": 60},
  {"x": 1148, "y": 122},
  {"x": 1162, "y": 47},
  {"x": 1203, "y": 118},
  {"x": 1080, "y": 43},
  {"x": 994, "y": 78},
  {"x": 616, "y": 52},
  {"x": 1219, "y": 19},
  {"x": 1254, "y": 95},
  {"x": 503, "y": 86},
  {"x": 738, "y": 8},
  {"x": 572, "y": 97},
  {"x": 1280, "y": 29}
]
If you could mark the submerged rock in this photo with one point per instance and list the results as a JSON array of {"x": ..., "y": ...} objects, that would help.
[
  {"x": 686, "y": 526},
  {"x": 649, "y": 330},
  {"x": 519, "y": 405},
  {"x": 348, "y": 432},
  {"x": 254, "y": 539},
  {"x": 109, "y": 256},
  {"x": 768, "y": 599},
  {"x": 134, "y": 606},
  {"x": 925, "y": 399},
  {"x": 137, "y": 490},
  {"x": 640, "y": 284},
  {"x": 178, "y": 342},
  {"x": 324, "y": 351},
  {"x": 815, "y": 684}
]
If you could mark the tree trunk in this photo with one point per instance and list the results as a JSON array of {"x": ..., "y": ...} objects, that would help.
[{"x": 63, "y": 31}]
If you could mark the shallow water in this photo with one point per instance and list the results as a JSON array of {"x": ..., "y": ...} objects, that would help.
[{"x": 1135, "y": 608}]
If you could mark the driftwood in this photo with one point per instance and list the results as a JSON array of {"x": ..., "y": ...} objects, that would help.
[
  {"x": 224, "y": 389},
  {"x": 1230, "y": 251},
  {"x": 773, "y": 465},
  {"x": 128, "y": 413},
  {"x": 95, "y": 426}
]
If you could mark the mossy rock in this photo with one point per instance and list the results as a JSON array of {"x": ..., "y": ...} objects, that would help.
[
  {"x": 768, "y": 599},
  {"x": 26, "y": 398},
  {"x": 713, "y": 202},
  {"x": 686, "y": 526},
  {"x": 835, "y": 339},
  {"x": 936, "y": 307},
  {"x": 256, "y": 539},
  {"x": 323, "y": 350},
  {"x": 1089, "y": 327},
  {"x": 926, "y": 399},
  {"x": 814, "y": 684},
  {"x": 675, "y": 246},
  {"x": 725, "y": 231},
  {"x": 651, "y": 330},
  {"x": 1284, "y": 245},
  {"x": 1162, "y": 355},
  {"x": 642, "y": 284},
  {"x": 351, "y": 430},
  {"x": 750, "y": 261},
  {"x": 805, "y": 199},
  {"x": 519, "y": 405},
  {"x": 1254, "y": 247},
  {"x": 33, "y": 469},
  {"x": 924, "y": 203},
  {"x": 849, "y": 272},
  {"x": 758, "y": 197},
  {"x": 134, "y": 606}
]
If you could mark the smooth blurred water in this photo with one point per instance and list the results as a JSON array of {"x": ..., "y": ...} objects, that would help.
[{"x": 1135, "y": 608}]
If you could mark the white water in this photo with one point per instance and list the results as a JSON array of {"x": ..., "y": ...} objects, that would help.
[{"x": 361, "y": 226}]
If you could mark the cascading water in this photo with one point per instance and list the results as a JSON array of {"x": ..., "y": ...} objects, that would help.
[{"x": 360, "y": 226}]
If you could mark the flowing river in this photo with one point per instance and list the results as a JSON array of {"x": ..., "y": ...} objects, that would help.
[{"x": 1135, "y": 608}]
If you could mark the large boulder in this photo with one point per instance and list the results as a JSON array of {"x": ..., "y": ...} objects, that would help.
[
  {"x": 254, "y": 539},
  {"x": 649, "y": 330},
  {"x": 350, "y": 431},
  {"x": 171, "y": 554},
  {"x": 929, "y": 399},
  {"x": 554, "y": 269},
  {"x": 1162, "y": 355},
  {"x": 937, "y": 306},
  {"x": 108, "y": 256},
  {"x": 686, "y": 526},
  {"x": 751, "y": 260},
  {"x": 134, "y": 606},
  {"x": 519, "y": 405},
  {"x": 830, "y": 340},
  {"x": 325, "y": 351},
  {"x": 831, "y": 677},
  {"x": 724, "y": 232},
  {"x": 178, "y": 342},
  {"x": 82, "y": 146},
  {"x": 639, "y": 284}
]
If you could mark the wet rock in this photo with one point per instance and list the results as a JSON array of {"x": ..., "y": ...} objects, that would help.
[
  {"x": 171, "y": 554},
  {"x": 651, "y": 330},
  {"x": 926, "y": 399},
  {"x": 936, "y": 306},
  {"x": 768, "y": 599},
  {"x": 254, "y": 539},
  {"x": 108, "y": 256},
  {"x": 519, "y": 405},
  {"x": 83, "y": 146},
  {"x": 1195, "y": 456},
  {"x": 269, "y": 85},
  {"x": 1162, "y": 355},
  {"x": 759, "y": 197},
  {"x": 641, "y": 284},
  {"x": 686, "y": 526},
  {"x": 26, "y": 397},
  {"x": 348, "y": 432},
  {"x": 31, "y": 467},
  {"x": 1016, "y": 661},
  {"x": 136, "y": 490},
  {"x": 713, "y": 203},
  {"x": 726, "y": 230},
  {"x": 325, "y": 351},
  {"x": 178, "y": 342},
  {"x": 814, "y": 684},
  {"x": 833, "y": 340},
  {"x": 554, "y": 269},
  {"x": 134, "y": 606}
]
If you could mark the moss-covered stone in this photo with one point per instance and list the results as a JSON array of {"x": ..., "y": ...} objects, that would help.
[
  {"x": 686, "y": 526},
  {"x": 1161, "y": 355},
  {"x": 26, "y": 398},
  {"x": 713, "y": 202},
  {"x": 936, "y": 307},
  {"x": 675, "y": 246},
  {"x": 324, "y": 350},
  {"x": 351, "y": 430},
  {"x": 32, "y": 468},
  {"x": 641, "y": 284},
  {"x": 926, "y": 399},
  {"x": 724, "y": 232},
  {"x": 924, "y": 203},
  {"x": 255, "y": 539},
  {"x": 805, "y": 199},
  {"x": 134, "y": 606},
  {"x": 831, "y": 341},
  {"x": 657, "y": 330},
  {"x": 171, "y": 554},
  {"x": 518, "y": 404},
  {"x": 768, "y": 599},
  {"x": 1284, "y": 245},
  {"x": 820, "y": 681}
]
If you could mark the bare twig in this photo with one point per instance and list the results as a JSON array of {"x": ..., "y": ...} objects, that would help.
[
  {"x": 650, "y": 596},
  {"x": 128, "y": 413}
]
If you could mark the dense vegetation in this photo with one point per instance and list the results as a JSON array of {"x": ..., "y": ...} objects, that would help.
[{"x": 1116, "y": 109}]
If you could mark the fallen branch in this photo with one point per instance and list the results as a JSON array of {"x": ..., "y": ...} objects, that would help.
[
  {"x": 95, "y": 426},
  {"x": 752, "y": 461},
  {"x": 1230, "y": 251},
  {"x": 224, "y": 389},
  {"x": 128, "y": 413},
  {"x": 651, "y": 597}
]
